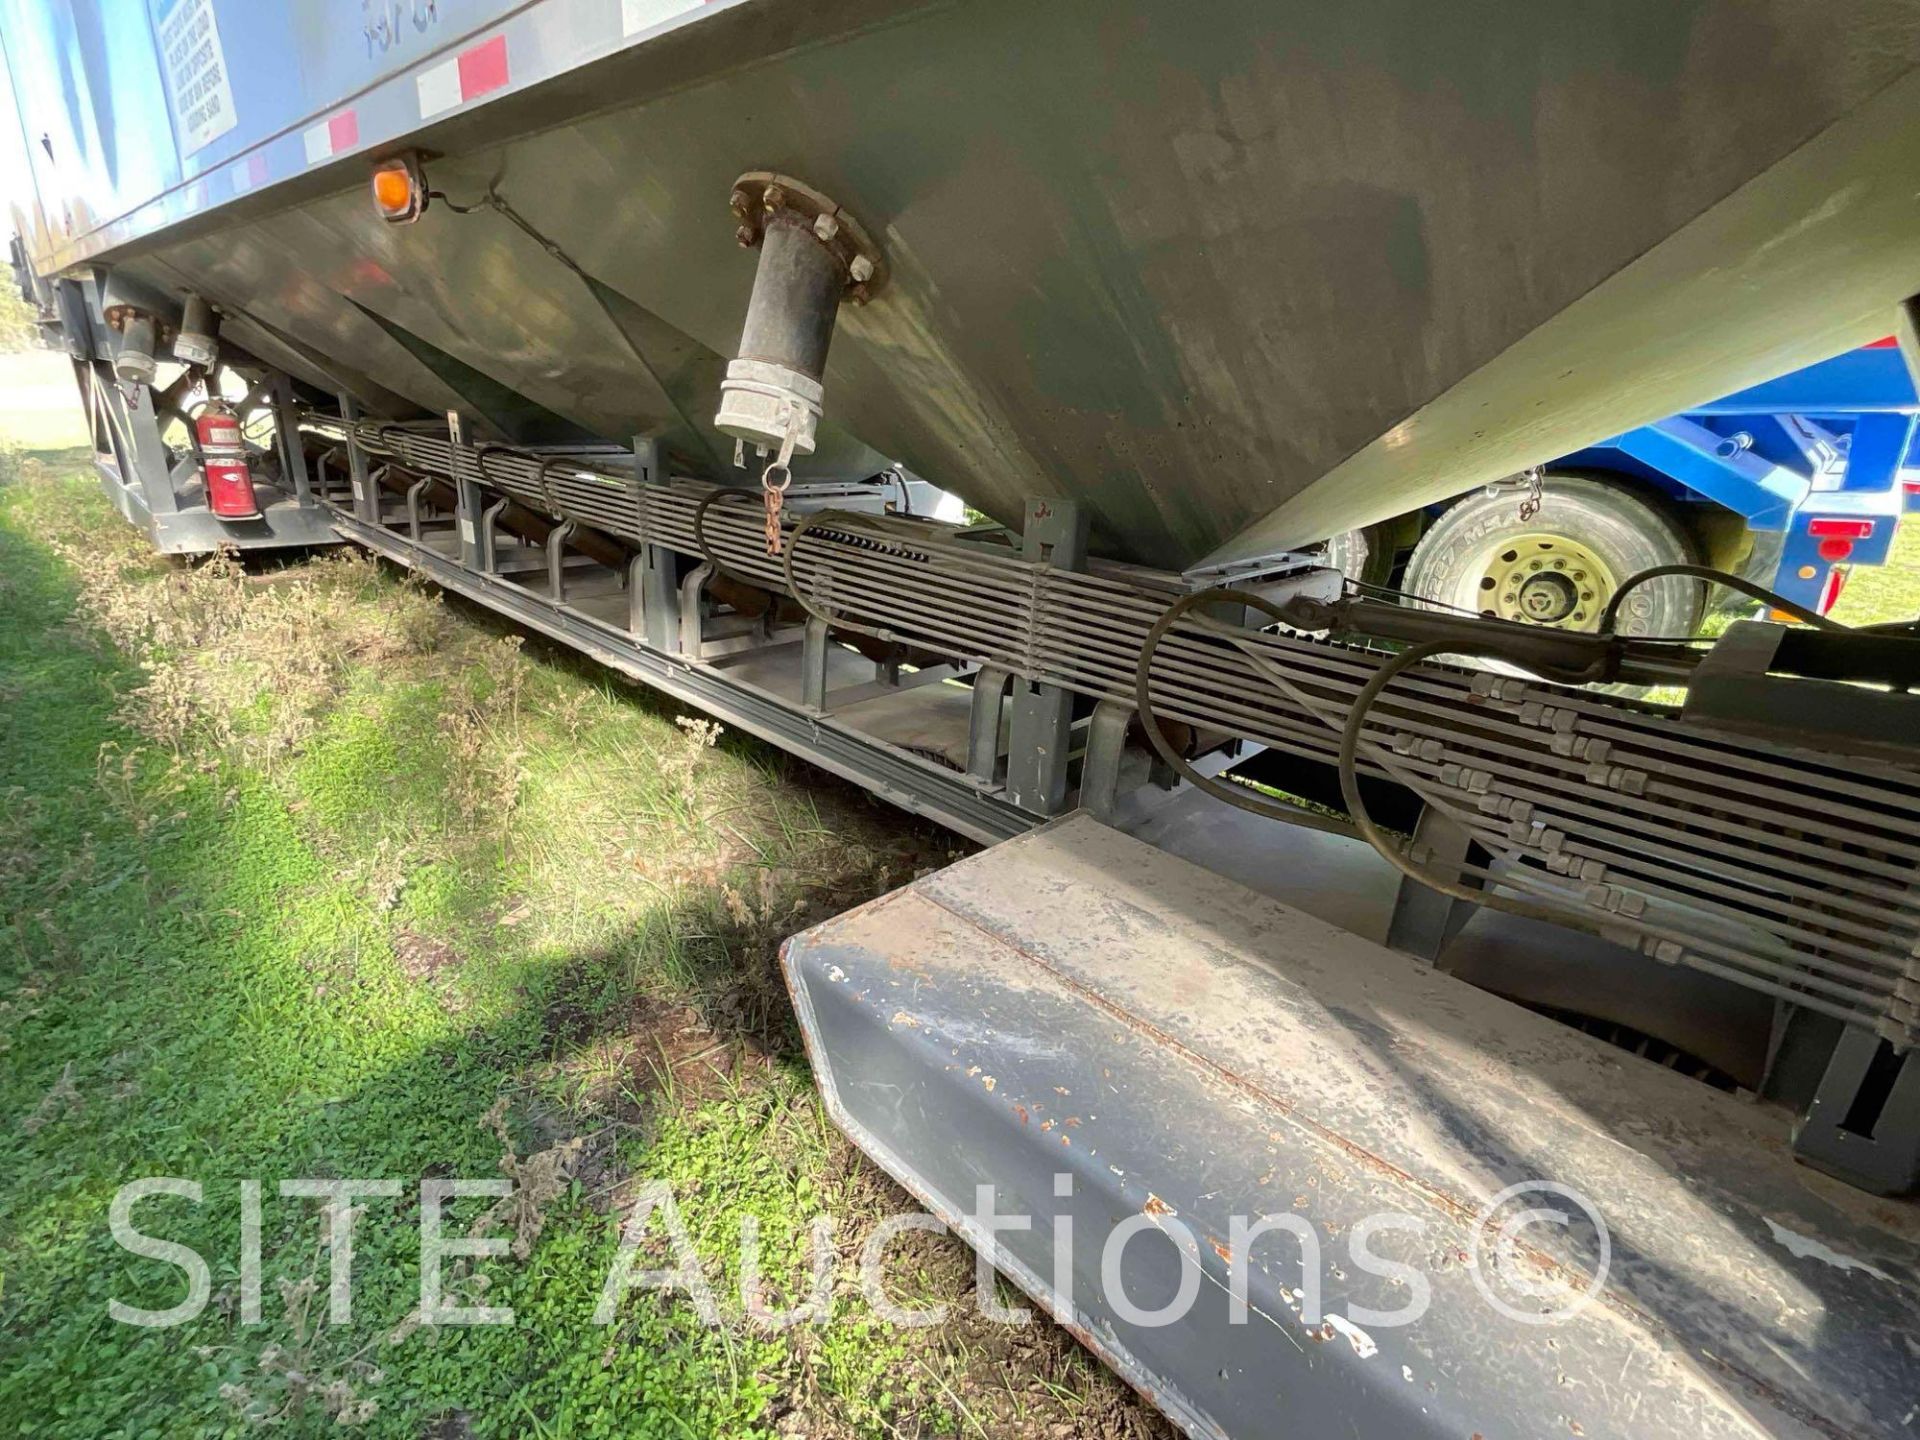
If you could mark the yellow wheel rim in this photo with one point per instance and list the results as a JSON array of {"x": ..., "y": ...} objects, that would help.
[{"x": 1541, "y": 579}]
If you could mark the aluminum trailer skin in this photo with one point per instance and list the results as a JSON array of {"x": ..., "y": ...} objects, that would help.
[{"x": 1121, "y": 277}]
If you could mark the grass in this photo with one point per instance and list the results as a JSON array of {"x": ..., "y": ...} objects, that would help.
[
  {"x": 39, "y": 402},
  {"x": 1886, "y": 592},
  {"x": 310, "y": 872}
]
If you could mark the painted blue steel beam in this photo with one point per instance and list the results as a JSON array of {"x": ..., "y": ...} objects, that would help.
[
  {"x": 1724, "y": 470},
  {"x": 1872, "y": 378}
]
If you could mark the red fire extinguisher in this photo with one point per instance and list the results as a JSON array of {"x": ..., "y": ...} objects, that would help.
[{"x": 224, "y": 462}]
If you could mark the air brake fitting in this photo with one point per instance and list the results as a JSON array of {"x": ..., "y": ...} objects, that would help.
[{"x": 812, "y": 255}]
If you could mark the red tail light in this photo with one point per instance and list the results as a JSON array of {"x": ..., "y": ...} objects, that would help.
[{"x": 1840, "y": 529}]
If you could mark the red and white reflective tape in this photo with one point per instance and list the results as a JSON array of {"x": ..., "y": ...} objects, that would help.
[
  {"x": 638, "y": 15},
  {"x": 478, "y": 70},
  {"x": 251, "y": 174},
  {"x": 335, "y": 135}
]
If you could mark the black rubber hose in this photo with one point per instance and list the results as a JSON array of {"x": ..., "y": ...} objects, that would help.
[
  {"x": 826, "y": 618},
  {"x": 1237, "y": 796},
  {"x": 1720, "y": 577},
  {"x": 1254, "y": 804}
]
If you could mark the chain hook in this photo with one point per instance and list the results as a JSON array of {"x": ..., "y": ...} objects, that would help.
[{"x": 782, "y": 466}]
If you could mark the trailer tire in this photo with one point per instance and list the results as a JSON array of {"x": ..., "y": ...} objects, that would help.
[
  {"x": 1562, "y": 565},
  {"x": 1364, "y": 556}
]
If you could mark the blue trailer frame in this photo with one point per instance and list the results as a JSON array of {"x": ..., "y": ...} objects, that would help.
[{"x": 1822, "y": 456}]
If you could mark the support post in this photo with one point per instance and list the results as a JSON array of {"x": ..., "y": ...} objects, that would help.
[
  {"x": 468, "y": 498},
  {"x": 1100, "y": 771},
  {"x": 653, "y": 604},
  {"x": 366, "y": 494},
  {"x": 692, "y": 640},
  {"x": 813, "y": 665},
  {"x": 1424, "y": 921},
  {"x": 557, "y": 539},
  {"x": 659, "y": 600},
  {"x": 1055, "y": 535},
  {"x": 152, "y": 465},
  {"x": 286, "y": 438},
  {"x": 637, "y": 593},
  {"x": 1864, "y": 1122},
  {"x": 983, "y": 724}
]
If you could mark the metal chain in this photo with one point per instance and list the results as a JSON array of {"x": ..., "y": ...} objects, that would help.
[
  {"x": 1530, "y": 505},
  {"x": 781, "y": 464}
]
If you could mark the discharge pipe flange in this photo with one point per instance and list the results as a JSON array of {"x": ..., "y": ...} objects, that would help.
[{"x": 812, "y": 256}]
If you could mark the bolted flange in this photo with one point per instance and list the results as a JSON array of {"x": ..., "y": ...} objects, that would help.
[{"x": 761, "y": 197}]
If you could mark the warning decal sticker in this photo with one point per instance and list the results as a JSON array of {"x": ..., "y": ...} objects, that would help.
[{"x": 196, "y": 73}]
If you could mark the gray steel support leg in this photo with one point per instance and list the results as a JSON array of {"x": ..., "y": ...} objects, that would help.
[
  {"x": 469, "y": 499},
  {"x": 286, "y": 437},
  {"x": 983, "y": 730},
  {"x": 1424, "y": 921},
  {"x": 692, "y": 621},
  {"x": 490, "y": 535},
  {"x": 1040, "y": 742},
  {"x": 1864, "y": 1122},
  {"x": 637, "y": 593},
  {"x": 414, "y": 492},
  {"x": 813, "y": 665},
  {"x": 470, "y": 502},
  {"x": 1106, "y": 744},
  {"x": 1039, "y": 746},
  {"x": 366, "y": 494},
  {"x": 646, "y": 468},
  {"x": 557, "y": 540},
  {"x": 152, "y": 466},
  {"x": 659, "y": 600},
  {"x": 653, "y": 602}
]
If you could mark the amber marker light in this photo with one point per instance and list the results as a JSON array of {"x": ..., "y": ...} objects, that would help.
[{"x": 399, "y": 191}]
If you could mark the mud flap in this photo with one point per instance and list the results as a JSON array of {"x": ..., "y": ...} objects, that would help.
[{"x": 1256, "y": 1159}]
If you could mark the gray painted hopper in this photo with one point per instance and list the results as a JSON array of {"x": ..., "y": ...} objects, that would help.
[{"x": 1236, "y": 274}]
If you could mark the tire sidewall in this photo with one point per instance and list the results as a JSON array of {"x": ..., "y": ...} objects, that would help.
[{"x": 1627, "y": 531}]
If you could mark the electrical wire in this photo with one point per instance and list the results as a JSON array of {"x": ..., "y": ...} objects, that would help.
[
  {"x": 825, "y": 617},
  {"x": 1387, "y": 592},
  {"x": 1720, "y": 577},
  {"x": 899, "y": 477},
  {"x": 1237, "y": 796}
]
